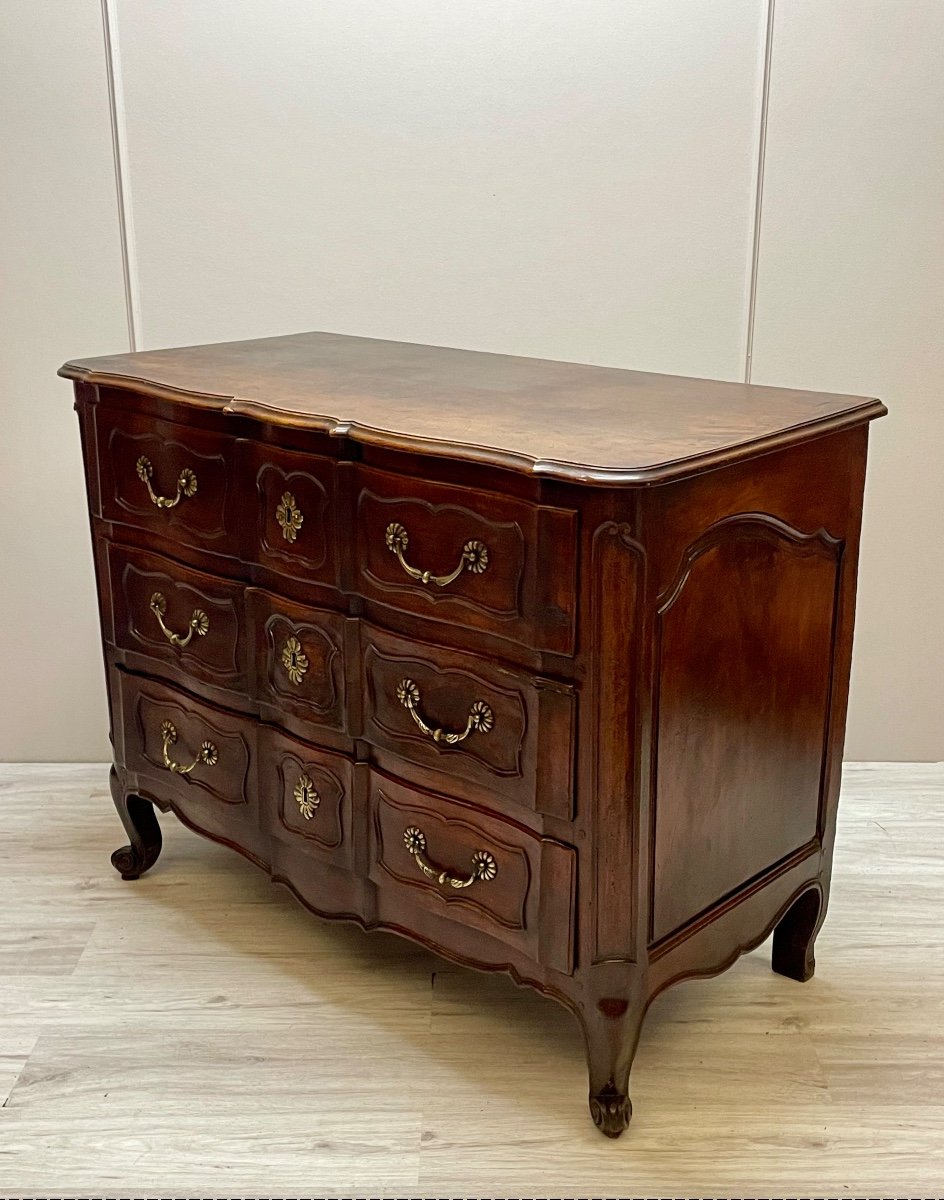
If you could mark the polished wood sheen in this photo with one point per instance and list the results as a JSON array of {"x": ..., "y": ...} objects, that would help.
[{"x": 541, "y": 665}]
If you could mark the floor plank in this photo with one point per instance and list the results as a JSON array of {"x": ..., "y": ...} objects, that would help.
[{"x": 196, "y": 1032}]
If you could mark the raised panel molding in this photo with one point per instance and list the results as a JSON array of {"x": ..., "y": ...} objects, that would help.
[
  {"x": 500, "y": 756},
  {"x": 127, "y": 455},
  {"x": 716, "y": 706},
  {"x": 309, "y": 549},
  {"x": 433, "y": 819},
  {"x": 147, "y": 633},
  {"x": 332, "y": 805},
  {"x": 744, "y": 525},
  {"x": 477, "y": 526},
  {"x": 150, "y": 711},
  {"x": 319, "y": 685}
]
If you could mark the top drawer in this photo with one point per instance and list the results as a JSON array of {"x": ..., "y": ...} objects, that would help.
[
  {"x": 170, "y": 479},
  {"x": 468, "y": 557}
]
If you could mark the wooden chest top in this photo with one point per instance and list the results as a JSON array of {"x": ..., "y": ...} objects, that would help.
[{"x": 555, "y": 419}]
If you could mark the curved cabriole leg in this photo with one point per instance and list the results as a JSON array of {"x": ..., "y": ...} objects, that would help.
[
  {"x": 795, "y": 935},
  {"x": 137, "y": 816},
  {"x": 611, "y": 1031}
]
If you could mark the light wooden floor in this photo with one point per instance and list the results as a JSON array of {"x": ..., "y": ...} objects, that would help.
[{"x": 196, "y": 1033}]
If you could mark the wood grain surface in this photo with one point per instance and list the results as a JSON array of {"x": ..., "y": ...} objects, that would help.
[
  {"x": 564, "y": 420},
  {"x": 196, "y": 1033}
]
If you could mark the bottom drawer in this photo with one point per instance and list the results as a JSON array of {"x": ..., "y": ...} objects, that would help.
[
  {"x": 306, "y": 797},
  {"x": 192, "y": 750},
  {"x": 472, "y": 867}
]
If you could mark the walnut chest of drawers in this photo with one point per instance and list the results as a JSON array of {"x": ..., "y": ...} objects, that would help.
[{"x": 542, "y": 665}]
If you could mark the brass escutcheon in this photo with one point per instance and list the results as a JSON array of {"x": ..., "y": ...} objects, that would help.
[
  {"x": 289, "y": 516},
  {"x": 306, "y": 796},
  {"x": 294, "y": 660}
]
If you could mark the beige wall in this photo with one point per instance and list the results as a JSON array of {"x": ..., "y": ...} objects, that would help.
[
  {"x": 60, "y": 288},
  {"x": 850, "y": 297},
  {"x": 574, "y": 180}
]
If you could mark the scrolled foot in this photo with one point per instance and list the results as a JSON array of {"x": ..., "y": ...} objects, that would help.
[
  {"x": 611, "y": 1111},
  {"x": 137, "y": 816},
  {"x": 130, "y": 864}
]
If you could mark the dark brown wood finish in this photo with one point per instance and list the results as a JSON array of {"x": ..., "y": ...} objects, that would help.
[
  {"x": 507, "y": 906},
  {"x": 206, "y": 615},
  {"x": 624, "y": 603},
  {"x": 505, "y": 591},
  {"x": 299, "y": 663},
  {"x": 525, "y": 756},
  {"x": 313, "y": 794}
]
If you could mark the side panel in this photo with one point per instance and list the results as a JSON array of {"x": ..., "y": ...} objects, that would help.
[{"x": 754, "y": 578}]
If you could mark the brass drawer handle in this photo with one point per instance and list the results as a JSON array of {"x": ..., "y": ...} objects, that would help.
[
  {"x": 186, "y": 483},
  {"x": 484, "y": 867},
  {"x": 474, "y": 557},
  {"x": 208, "y": 753},
  {"x": 481, "y": 718},
  {"x": 306, "y": 796},
  {"x": 199, "y": 622}
]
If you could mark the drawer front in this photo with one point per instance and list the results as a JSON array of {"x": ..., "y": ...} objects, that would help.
[
  {"x": 169, "y": 479},
  {"x": 468, "y": 557},
  {"x": 306, "y": 797},
  {"x": 473, "y": 868},
  {"x": 296, "y": 513},
  {"x": 456, "y": 721},
  {"x": 192, "y": 751},
  {"x": 298, "y": 663},
  {"x": 183, "y": 622}
]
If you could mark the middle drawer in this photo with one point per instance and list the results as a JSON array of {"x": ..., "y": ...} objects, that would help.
[
  {"x": 459, "y": 722},
  {"x": 177, "y": 622}
]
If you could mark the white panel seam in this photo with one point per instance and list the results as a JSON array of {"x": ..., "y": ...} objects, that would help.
[
  {"x": 129, "y": 268},
  {"x": 759, "y": 193}
]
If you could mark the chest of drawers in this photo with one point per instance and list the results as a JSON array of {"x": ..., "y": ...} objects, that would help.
[{"x": 542, "y": 665}]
